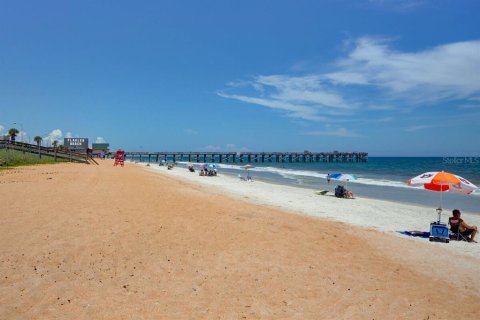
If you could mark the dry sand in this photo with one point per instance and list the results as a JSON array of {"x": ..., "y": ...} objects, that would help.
[
  {"x": 387, "y": 216},
  {"x": 104, "y": 242}
]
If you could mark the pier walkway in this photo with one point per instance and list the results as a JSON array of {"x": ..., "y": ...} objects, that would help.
[{"x": 248, "y": 157}]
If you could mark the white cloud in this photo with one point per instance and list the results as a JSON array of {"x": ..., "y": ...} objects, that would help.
[
  {"x": 469, "y": 106},
  {"x": 444, "y": 72},
  {"x": 22, "y": 136},
  {"x": 234, "y": 147},
  {"x": 339, "y": 132},
  {"x": 1, "y": 129},
  {"x": 68, "y": 135},
  {"x": 211, "y": 148},
  {"x": 371, "y": 77},
  {"x": 52, "y": 136},
  {"x": 420, "y": 127},
  {"x": 230, "y": 147},
  {"x": 293, "y": 110},
  {"x": 399, "y": 5},
  {"x": 190, "y": 131},
  {"x": 100, "y": 140}
]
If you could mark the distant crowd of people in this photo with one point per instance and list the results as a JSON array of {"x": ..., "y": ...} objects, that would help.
[
  {"x": 204, "y": 171},
  {"x": 208, "y": 172}
]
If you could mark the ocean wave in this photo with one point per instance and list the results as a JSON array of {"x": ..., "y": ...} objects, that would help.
[{"x": 293, "y": 174}]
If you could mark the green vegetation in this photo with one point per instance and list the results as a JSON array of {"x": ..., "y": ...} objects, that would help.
[
  {"x": 13, "y": 132},
  {"x": 13, "y": 158},
  {"x": 38, "y": 140}
]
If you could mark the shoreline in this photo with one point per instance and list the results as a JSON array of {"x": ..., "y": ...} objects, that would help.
[
  {"x": 395, "y": 190},
  {"x": 382, "y": 215}
]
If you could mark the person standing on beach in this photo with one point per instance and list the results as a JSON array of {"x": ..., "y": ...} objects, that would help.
[{"x": 463, "y": 228}]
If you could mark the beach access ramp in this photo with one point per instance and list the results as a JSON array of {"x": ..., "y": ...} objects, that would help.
[{"x": 56, "y": 153}]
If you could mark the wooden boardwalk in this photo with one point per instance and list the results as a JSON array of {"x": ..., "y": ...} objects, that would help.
[
  {"x": 248, "y": 157},
  {"x": 55, "y": 153}
]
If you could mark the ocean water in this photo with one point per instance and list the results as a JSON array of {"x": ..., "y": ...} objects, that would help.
[{"x": 379, "y": 178}]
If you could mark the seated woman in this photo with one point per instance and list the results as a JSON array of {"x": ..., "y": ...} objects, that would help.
[
  {"x": 348, "y": 194},
  {"x": 190, "y": 168},
  {"x": 457, "y": 225}
]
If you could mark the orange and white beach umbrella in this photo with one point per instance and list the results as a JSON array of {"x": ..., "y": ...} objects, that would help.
[{"x": 443, "y": 182}]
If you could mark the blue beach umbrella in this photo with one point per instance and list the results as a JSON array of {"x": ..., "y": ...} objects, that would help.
[{"x": 342, "y": 177}]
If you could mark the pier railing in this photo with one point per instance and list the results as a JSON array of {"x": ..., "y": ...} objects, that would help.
[{"x": 248, "y": 157}]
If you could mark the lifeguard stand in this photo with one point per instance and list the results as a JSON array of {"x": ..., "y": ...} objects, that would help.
[{"x": 119, "y": 157}]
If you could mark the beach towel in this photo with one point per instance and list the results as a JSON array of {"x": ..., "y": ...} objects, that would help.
[{"x": 421, "y": 234}]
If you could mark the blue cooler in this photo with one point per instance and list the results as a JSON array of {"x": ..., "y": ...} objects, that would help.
[{"x": 439, "y": 232}]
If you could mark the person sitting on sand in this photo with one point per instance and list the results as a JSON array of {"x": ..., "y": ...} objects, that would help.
[
  {"x": 341, "y": 192},
  {"x": 348, "y": 194},
  {"x": 457, "y": 225}
]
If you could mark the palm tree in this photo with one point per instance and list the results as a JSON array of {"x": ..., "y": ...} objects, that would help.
[
  {"x": 55, "y": 143},
  {"x": 38, "y": 140},
  {"x": 13, "y": 133}
]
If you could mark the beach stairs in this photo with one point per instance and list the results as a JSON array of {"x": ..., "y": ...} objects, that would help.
[
  {"x": 55, "y": 153},
  {"x": 91, "y": 160}
]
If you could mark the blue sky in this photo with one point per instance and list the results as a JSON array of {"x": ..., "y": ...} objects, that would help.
[{"x": 393, "y": 78}]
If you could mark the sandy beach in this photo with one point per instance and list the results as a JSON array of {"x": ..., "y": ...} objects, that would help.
[{"x": 103, "y": 242}]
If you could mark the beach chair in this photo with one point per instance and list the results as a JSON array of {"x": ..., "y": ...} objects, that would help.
[{"x": 119, "y": 158}]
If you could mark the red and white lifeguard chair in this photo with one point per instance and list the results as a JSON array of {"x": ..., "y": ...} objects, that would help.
[{"x": 119, "y": 157}]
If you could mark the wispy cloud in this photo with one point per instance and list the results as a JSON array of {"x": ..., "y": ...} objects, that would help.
[
  {"x": 100, "y": 140},
  {"x": 398, "y": 5},
  {"x": 444, "y": 72},
  {"x": 419, "y": 127},
  {"x": 469, "y": 106},
  {"x": 228, "y": 147},
  {"x": 1, "y": 129},
  {"x": 338, "y": 132},
  {"x": 190, "y": 131},
  {"x": 372, "y": 76}
]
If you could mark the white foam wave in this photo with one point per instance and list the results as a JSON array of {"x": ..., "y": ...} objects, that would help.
[{"x": 293, "y": 174}]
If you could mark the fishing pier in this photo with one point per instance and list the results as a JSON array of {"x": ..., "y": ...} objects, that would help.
[{"x": 248, "y": 157}]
